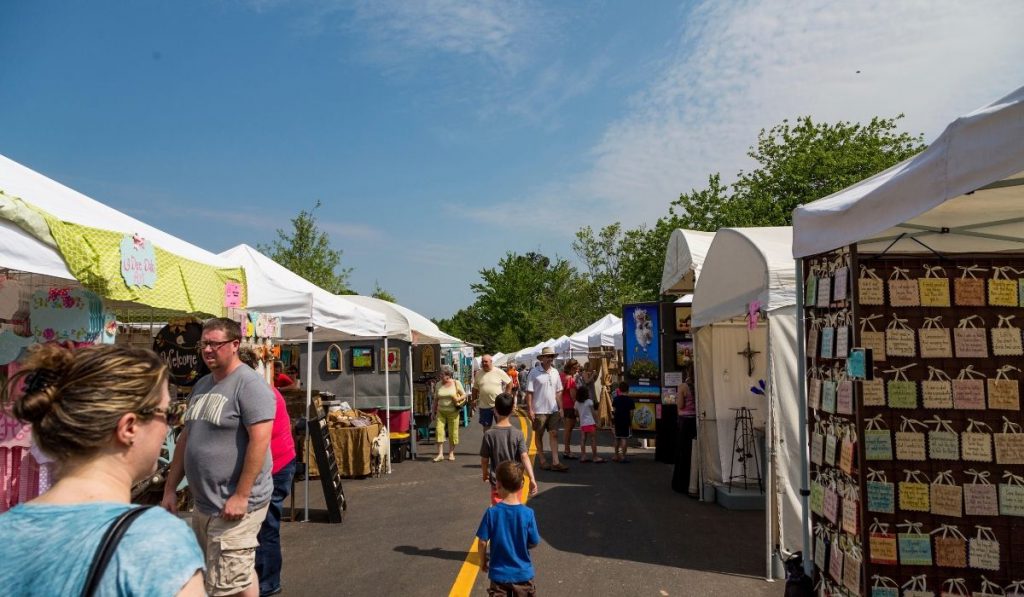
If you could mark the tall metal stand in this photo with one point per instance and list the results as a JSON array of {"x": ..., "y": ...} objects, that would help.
[{"x": 744, "y": 447}]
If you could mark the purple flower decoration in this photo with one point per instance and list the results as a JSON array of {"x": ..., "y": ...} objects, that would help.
[
  {"x": 68, "y": 302},
  {"x": 49, "y": 334}
]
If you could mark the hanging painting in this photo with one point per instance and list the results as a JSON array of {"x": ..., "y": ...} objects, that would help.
[{"x": 394, "y": 359}]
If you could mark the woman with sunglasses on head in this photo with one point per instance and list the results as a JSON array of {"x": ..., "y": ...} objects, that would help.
[{"x": 101, "y": 413}]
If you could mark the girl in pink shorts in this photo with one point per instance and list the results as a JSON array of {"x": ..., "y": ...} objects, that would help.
[{"x": 588, "y": 425}]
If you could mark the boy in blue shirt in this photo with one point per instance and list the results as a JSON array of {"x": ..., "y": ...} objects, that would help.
[{"x": 508, "y": 531}]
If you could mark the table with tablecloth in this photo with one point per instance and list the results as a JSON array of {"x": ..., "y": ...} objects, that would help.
[{"x": 351, "y": 450}]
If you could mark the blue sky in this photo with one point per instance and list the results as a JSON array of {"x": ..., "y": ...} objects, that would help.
[{"x": 440, "y": 134}]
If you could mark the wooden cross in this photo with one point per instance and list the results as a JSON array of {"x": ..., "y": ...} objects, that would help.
[{"x": 750, "y": 358}]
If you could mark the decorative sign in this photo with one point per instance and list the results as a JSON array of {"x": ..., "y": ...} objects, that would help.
[
  {"x": 914, "y": 496},
  {"x": 877, "y": 444},
  {"x": 11, "y": 346},
  {"x": 944, "y": 445},
  {"x": 881, "y": 497},
  {"x": 1011, "y": 496},
  {"x": 232, "y": 294},
  {"x": 873, "y": 392},
  {"x": 841, "y": 283},
  {"x": 870, "y": 288},
  {"x": 969, "y": 292},
  {"x": 915, "y": 549},
  {"x": 177, "y": 344},
  {"x": 66, "y": 314},
  {"x": 882, "y": 547},
  {"x": 984, "y": 550},
  {"x": 903, "y": 292},
  {"x": 934, "y": 291},
  {"x": 968, "y": 394},
  {"x": 947, "y": 500},
  {"x": 875, "y": 341},
  {"x": 138, "y": 261},
  {"x": 935, "y": 343},
  {"x": 902, "y": 394},
  {"x": 830, "y": 449},
  {"x": 951, "y": 549},
  {"x": 980, "y": 497},
  {"x": 857, "y": 364}
]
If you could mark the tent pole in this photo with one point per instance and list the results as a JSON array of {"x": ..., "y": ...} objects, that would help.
[
  {"x": 309, "y": 401},
  {"x": 769, "y": 458},
  {"x": 805, "y": 474},
  {"x": 387, "y": 391},
  {"x": 412, "y": 408}
]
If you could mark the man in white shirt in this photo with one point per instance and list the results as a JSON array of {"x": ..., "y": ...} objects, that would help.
[
  {"x": 543, "y": 390},
  {"x": 488, "y": 382}
]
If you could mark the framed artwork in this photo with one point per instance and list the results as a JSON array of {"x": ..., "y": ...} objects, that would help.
[
  {"x": 334, "y": 359},
  {"x": 428, "y": 362},
  {"x": 394, "y": 359},
  {"x": 363, "y": 358},
  {"x": 641, "y": 344},
  {"x": 644, "y": 417},
  {"x": 683, "y": 315},
  {"x": 684, "y": 353}
]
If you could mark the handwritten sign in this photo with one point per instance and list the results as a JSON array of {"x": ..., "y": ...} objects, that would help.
[
  {"x": 851, "y": 572},
  {"x": 915, "y": 549},
  {"x": 828, "y": 396},
  {"x": 841, "y": 284},
  {"x": 1006, "y": 342},
  {"x": 842, "y": 341},
  {"x": 969, "y": 292},
  {"x": 980, "y": 500},
  {"x": 813, "y": 336},
  {"x": 1009, "y": 448},
  {"x": 138, "y": 261},
  {"x": 814, "y": 393},
  {"x": 817, "y": 448},
  {"x": 873, "y": 392},
  {"x": 883, "y": 549},
  {"x": 914, "y": 496},
  {"x": 880, "y": 497},
  {"x": 937, "y": 394},
  {"x": 968, "y": 394},
  {"x": 1002, "y": 293},
  {"x": 902, "y": 394},
  {"x": 947, "y": 500},
  {"x": 944, "y": 445},
  {"x": 1003, "y": 394},
  {"x": 831, "y": 505},
  {"x": 824, "y": 292},
  {"x": 835, "y": 562},
  {"x": 830, "y": 450},
  {"x": 950, "y": 552},
  {"x": 232, "y": 294},
  {"x": 844, "y": 397},
  {"x": 935, "y": 343},
  {"x": 828, "y": 342},
  {"x": 910, "y": 446},
  {"x": 846, "y": 452},
  {"x": 821, "y": 553},
  {"x": 904, "y": 293},
  {"x": 818, "y": 498},
  {"x": 1011, "y": 500},
  {"x": 900, "y": 343},
  {"x": 851, "y": 511},
  {"x": 877, "y": 444},
  {"x": 984, "y": 554},
  {"x": 870, "y": 291},
  {"x": 177, "y": 344},
  {"x": 934, "y": 292},
  {"x": 976, "y": 447},
  {"x": 971, "y": 343},
  {"x": 811, "y": 291},
  {"x": 876, "y": 342}
]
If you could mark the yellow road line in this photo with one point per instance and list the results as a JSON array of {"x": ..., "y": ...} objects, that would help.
[{"x": 466, "y": 578}]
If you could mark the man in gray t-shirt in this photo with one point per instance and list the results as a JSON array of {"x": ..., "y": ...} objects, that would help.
[{"x": 224, "y": 452}]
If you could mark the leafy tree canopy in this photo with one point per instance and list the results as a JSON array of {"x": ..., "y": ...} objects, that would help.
[{"x": 306, "y": 250}]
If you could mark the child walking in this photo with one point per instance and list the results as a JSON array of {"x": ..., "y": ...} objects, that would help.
[
  {"x": 588, "y": 426},
  {"x": 507, "y": 532},
  {"x": 502, "y": 443},
  {"x": 623, "y": 407}
]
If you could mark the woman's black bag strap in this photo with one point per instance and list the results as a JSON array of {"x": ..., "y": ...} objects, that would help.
[{"x": 107, "y": 546}]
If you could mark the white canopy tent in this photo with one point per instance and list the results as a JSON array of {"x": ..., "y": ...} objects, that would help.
[
  {"x": 750, "y": 268},
  {"x": 609, "y": 336},
  {"x": 964, "y": 193},
  {"x": 684, "y": 258},
  {"x": 579, "y": 342},
  {"x": 560, "y": 345}
]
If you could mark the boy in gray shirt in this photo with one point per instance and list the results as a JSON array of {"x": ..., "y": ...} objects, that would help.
[{"x": 502, "y": 443}]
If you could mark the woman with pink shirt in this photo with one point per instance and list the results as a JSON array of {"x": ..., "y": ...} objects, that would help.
[{"x": 282, "y": 451}]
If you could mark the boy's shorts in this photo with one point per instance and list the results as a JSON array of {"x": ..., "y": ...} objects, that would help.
[
  {"x": 546, "y": 422},
  {"x": 588, "y": 428},
  {"x": 495, "y": 498},
  {"x": 486, "y": 416},
  {"x": 623, "y": 431},
  {"x": 512, "y": 589}
]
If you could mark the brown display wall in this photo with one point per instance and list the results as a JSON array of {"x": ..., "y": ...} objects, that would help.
[{"x": 917, "y": 459}]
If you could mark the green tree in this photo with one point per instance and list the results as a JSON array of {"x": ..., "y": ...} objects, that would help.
[
  {"x": 307, "y": 251},
  {"x": 380, "y": 293}
]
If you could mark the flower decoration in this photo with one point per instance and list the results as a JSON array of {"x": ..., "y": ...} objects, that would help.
[{"x": 761, "y": 388}]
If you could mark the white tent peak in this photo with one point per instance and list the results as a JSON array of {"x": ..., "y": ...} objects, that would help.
[
  {"x": 750, "y": 264},
  {"x": 684, "y": 259},
  {"x": 939, "y": 188},
  {"x": 404, "y": 323}
]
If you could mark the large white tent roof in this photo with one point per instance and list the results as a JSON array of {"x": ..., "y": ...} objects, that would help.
[
  {"x": 68, "y": 205},
  {"x": 608, "y": 336},
  {"x": 684, "y": 258},
  {"x": 274, "y": 289},
  {"x": 21, "y": 251},
  {"x": 963, "y": 193},
  {"x": 745, "y": 265},
  {"x": 404, "y": 323},
  {"x": 579, "y": 342}
]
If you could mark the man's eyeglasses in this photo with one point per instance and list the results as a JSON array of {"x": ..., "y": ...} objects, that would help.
[
  {"x": 204, "y": 344},
  {"x": 172, "y": 416}
]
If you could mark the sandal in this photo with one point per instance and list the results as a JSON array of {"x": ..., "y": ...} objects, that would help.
[
  {"x": 585, "y": 460},
  {"x": 569, "y": 457},
  {"x": 438, "y": 458},
  {"x": 451, "y": 457},
  {"x": 599, "y": 460},
  {"x": 544, "y": 466},
  {"x": 561, "y": 468}
]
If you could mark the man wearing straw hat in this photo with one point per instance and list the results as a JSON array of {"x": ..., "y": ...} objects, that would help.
[{"x": 543, "y": 387}]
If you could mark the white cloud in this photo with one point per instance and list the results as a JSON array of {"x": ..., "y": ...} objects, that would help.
[{"x": 742, "y": 66}]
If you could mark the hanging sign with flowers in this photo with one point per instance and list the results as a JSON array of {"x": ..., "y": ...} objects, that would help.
[
  {"x": 138, "y": 261},
  {"x": 67, "y": 314}
]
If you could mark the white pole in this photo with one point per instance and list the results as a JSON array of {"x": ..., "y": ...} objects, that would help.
[
  {"x": 412, "y": 407},
  {"x": 387, "y": 387},
  {"x": 309, "y": 401},
  {"x": 769, "y": 458}
]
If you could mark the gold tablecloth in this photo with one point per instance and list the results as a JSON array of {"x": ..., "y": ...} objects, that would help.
[{"x": 351, "y": 450}]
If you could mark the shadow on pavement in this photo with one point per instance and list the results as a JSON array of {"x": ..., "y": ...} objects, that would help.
[{"x": 435, "y": 552}]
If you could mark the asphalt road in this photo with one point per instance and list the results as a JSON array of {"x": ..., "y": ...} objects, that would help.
[{"x": 606, "y": 529}]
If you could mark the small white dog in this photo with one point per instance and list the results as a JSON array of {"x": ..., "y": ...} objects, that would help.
[
  {"x": 644, "y": 329},
  {"x": 380, "y": 453}
]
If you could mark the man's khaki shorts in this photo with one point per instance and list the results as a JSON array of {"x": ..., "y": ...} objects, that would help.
[
  {"x": 230, "y": 550},
  {"x": 546, "y": 422}
]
